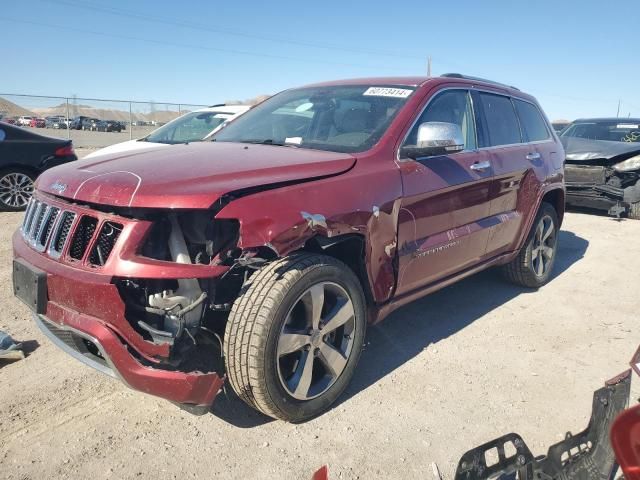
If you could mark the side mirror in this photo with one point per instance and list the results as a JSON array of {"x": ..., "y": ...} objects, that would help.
[{"x": 435, "y": 138}]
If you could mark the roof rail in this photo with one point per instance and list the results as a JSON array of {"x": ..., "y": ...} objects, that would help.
[
  {"x": 468, "y": 77},
  {"x": 217, "y": 105}
]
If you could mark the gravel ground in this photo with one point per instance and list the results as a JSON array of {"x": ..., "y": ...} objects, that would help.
[{"x": 442, "y": 375}]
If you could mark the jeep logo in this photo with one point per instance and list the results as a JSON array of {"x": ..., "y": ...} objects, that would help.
[{"x": 58, "y": 187}]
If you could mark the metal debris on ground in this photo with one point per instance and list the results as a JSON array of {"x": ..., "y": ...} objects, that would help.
[{"x": 9, "y": 349}]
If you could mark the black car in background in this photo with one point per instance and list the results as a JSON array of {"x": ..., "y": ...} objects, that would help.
[
  {"x": 108, "y": 126},
  {"x": 76, "y": 123},
  {"x": 602, "y": 168},
  {"x": 82, "y": 122},
  {"x": 23, "y": 156},
  {"x": 90, "y": 124}
]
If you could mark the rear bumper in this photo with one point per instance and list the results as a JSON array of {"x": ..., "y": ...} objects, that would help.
[{"x": 95, "y": 345}]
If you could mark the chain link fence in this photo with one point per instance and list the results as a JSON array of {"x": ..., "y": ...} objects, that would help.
[{"x": 91, "y": 123}]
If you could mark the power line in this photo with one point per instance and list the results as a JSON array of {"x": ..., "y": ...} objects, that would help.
[
  {"x": 184, "y": 45},
  {"x": 199, "y": 26}
]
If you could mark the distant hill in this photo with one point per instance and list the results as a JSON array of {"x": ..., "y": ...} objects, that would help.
[
  {"x": 107, "y": 113},
  {"x": 10, "y": 109}
]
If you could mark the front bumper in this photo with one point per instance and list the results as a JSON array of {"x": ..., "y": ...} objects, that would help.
[
  {"x": 84, "y": 315},
  {"x": 97, "y": 346},
  {"x": 594, "y": 186}
]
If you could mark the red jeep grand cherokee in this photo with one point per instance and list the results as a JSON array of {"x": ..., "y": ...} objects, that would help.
[{"x": 263, "y": 254}]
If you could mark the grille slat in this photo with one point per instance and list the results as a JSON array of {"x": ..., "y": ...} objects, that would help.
[
  {"x": 109, "y": 233},
  {"x": 61, "y": 234},
  {"x": 28, "y": 215},
  {"x": 82, "y": 237},
  {"x": 37, "y": 219},
  {"x": 51, "y": 221}
]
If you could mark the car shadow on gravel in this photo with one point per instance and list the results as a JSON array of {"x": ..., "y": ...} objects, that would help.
[
  {"x": 412, "y": 328},
  {"x": 229, "y": 408},
  {"x": 409, "y": 330}
]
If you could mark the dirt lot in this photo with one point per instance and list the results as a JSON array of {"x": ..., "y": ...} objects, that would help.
[{"x": 451, "y": 371}]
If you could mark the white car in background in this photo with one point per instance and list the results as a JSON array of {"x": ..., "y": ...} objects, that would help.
[
  {"x": 194, "y": 126},
  {"x": 24, "y": 120}
]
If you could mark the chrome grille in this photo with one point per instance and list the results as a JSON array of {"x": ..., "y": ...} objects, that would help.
[{"x": 51, "y": 228}]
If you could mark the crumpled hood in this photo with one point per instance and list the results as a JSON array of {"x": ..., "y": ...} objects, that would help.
[
  {"x": 582, "y": 149},
  {"x": 186, "y": 176}
]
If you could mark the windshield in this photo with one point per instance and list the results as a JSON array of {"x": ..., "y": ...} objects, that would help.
[
  {"x": 613, "y": 131},
  {"x": 191, "y": 127},
  {"x": 336, "y": 118}
]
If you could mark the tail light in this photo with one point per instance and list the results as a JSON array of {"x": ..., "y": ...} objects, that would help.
[{"x": 64, "y": 151}]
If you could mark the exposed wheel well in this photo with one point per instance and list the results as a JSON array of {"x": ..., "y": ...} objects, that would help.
[
  {"x": 556, "y": 199},
  {"x": 349, "y": 249}
]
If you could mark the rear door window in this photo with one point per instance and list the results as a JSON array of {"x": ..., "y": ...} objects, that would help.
[
  {"x": 533, "y": 125},
  {"x": 502, "y": 123}
]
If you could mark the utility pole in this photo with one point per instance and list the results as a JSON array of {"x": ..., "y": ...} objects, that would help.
[
  {"x": 429, "y": 67},
  {"x": 618, "y": 114}
]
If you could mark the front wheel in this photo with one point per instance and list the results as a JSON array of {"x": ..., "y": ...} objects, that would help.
[
  {"x": 533, "y": 266},
  {"x": 294, "y": 336}
]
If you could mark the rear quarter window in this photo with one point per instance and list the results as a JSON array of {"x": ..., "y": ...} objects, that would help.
[
  {"x": 533, "y": 125},
  {"x": 501, "y": 120}
]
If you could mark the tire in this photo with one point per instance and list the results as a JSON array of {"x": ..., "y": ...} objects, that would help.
[
  {"x": 634, "y": 211},
  {"x": 16, "y": 188},
  {"x": 264, "y": 366},
  {"x": 525, "y": 270}
]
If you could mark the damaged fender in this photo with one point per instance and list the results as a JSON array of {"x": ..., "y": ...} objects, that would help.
[{"x": 285, "y": 219}]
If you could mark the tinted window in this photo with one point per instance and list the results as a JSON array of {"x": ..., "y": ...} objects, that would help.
[
  {"x": 2, "y": 135},
  {"x": 533, "y": 125},
  {"x": 339, "y": 118},
  {"x": 451, "y": 106},
  {"x": 502, "y": 123},
  {"x": 622, "y": 130}
]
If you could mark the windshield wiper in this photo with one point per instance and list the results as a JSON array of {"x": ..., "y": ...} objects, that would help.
[{"x": 270, "y": 141}]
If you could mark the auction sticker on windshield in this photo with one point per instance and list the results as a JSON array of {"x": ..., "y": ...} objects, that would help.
[{"x": 388, "y": 92}]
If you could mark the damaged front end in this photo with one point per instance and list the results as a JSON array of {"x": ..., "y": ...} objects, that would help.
[
  {"x": 603, "y": 174},
  {"x": 139, "y": 294}
]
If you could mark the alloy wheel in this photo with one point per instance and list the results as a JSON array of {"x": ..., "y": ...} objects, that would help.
[
  {"x": 16, "y": 189},
  {"x": 316, "y": 340},
  {"x": 543, "y": 247}
]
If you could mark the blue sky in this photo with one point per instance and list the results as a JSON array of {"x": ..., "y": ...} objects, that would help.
[{"x": 577, "y": 57}]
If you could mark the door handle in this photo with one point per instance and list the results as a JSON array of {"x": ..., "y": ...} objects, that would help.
[
  {"x": 480, "y": 166},
  {"x": 533, "y": 156}
]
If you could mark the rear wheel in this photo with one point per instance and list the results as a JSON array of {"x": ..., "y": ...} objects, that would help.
[
  {"x": 294, "y": 336},
  {"x": 533, "y": 266},
  {"x": 16, "y": 188}
]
